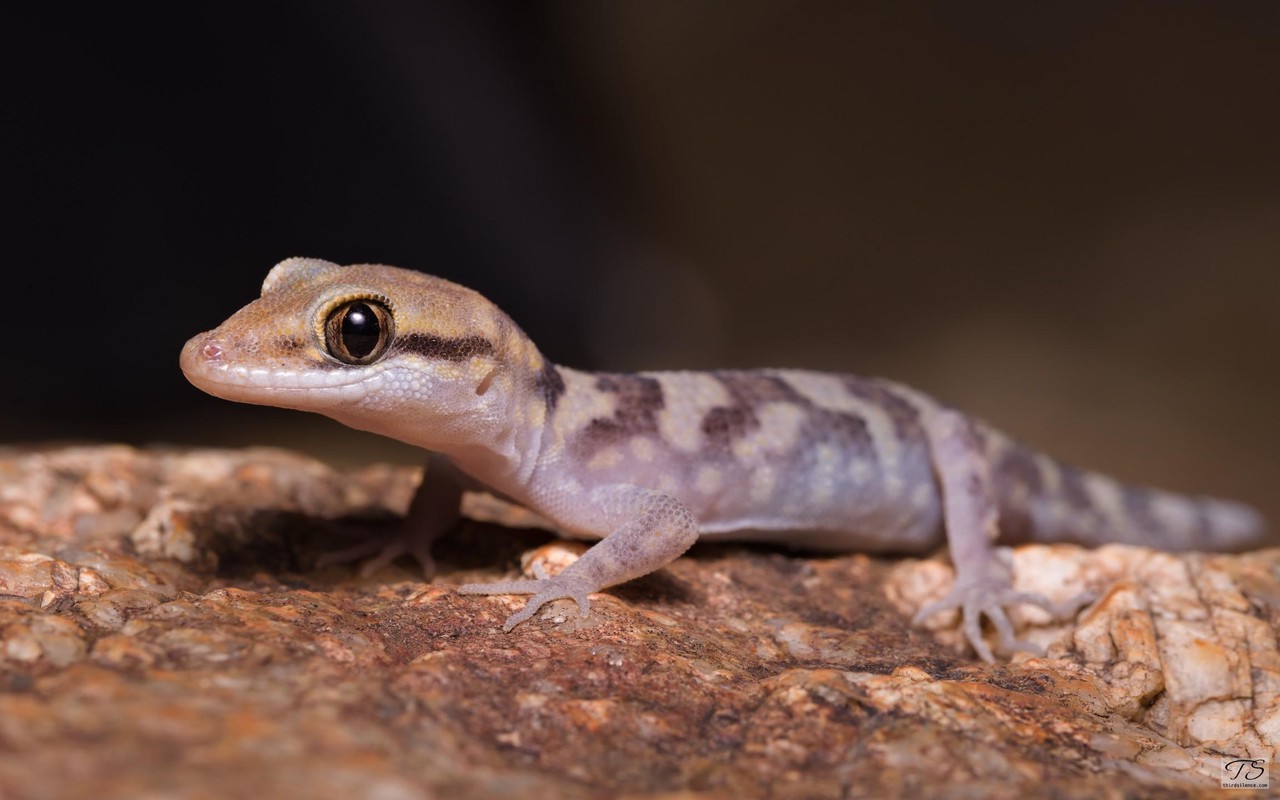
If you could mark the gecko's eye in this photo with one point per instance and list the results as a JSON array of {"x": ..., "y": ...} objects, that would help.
[{"x": 358, "y": 332}]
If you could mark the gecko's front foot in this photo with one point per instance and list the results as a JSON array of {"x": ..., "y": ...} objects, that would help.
[
  {"x": 989, "y": 596},
  {"x": 380, "y": 549},
  {"x": 544, "y": 590}
]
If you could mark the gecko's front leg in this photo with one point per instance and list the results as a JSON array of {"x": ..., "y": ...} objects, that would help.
[
  {"x": 433, "y": 512},
  {"x": 646, "y": 530},
  {"x": 984, "y": 573}
]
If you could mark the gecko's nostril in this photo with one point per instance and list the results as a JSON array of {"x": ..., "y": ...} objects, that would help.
[{"x": 212, "y": 352}]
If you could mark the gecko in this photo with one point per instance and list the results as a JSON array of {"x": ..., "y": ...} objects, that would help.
[{"x": 646, "y": 463}]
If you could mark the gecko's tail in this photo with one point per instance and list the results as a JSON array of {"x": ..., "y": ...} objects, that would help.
[
  {"x": 1097, "y": 509},
  {"x": 1242, "y": 527},
  {"x": 1179, "y": 522},
  {"x": 1050, "y": 501}
]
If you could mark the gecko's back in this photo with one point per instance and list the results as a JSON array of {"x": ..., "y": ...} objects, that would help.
[{"x": 806, "y": 458}]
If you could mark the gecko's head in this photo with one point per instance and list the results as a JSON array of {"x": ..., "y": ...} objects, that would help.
[{"x": 379, "y": 348}]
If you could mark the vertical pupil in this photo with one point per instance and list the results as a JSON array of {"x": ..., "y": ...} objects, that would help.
[{"x": 360, "y": 330}]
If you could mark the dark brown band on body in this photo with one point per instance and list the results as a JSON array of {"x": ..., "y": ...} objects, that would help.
[
  {"x": 639, "y": 399},
  {"x": 550, "y": 384},
  {"x": 902, "y": 413},
  {"x": 724, "y": 425}
]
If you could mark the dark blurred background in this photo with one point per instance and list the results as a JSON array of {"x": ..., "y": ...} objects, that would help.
[{"x": 1062, "y": 217}]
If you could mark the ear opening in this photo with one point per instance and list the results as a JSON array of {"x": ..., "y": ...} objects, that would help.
[{"x": 486, "y": 382}]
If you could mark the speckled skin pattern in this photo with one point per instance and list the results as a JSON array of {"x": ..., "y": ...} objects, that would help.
[{"x": 648, "y": 462}]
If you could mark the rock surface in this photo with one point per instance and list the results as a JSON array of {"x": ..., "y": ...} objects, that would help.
[{"x": 164, "y": 632}]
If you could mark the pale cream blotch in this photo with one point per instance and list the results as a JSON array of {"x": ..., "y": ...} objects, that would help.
[
  {"x": 1019, "y": 494},
  {"x": 688, "y": 398},
  {"x": 764, "y": 482},
  {"x": 535, "y": 412},
  {"x": 1177, "y": 514},
  {"x": 822, "y": 483},
  {"x": 778, "y": 433},
  {"x": 570, "y": 486},
  {"x": 1059, "y": 513},
  {"x": 1050, "y": 475},
  {"x": 643, "y": 449},
  {"x": 709, "y": 479},
  {"x": 1107, "y": 498},
  {"x": 860, "y": 472},
  {"x": 894, "y": 485},
  {"x": 824, "y": 391},
  {"x": 667, "y": 483},
  {"x": 582, "y": 402},
  {"x": 922, "y": 495},
  {"x": 605, "y": 458},
  {"x": 1174, "y": 512}
]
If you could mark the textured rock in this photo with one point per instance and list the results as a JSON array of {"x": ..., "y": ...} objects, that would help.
[{"x": 164, "y": 632}]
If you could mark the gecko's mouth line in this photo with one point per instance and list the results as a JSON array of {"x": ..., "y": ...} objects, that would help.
[{"x": 266, "y": 381}]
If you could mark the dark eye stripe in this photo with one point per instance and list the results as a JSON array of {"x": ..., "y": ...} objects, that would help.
[{"x": 446, "y": 349}]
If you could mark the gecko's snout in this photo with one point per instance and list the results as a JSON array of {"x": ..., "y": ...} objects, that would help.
[{"x": 200, "y": 351}]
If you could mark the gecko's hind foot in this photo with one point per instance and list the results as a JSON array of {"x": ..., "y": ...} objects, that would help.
[
  {"x": 990, "y": 599},
  {"x": 544, "y": 590}
]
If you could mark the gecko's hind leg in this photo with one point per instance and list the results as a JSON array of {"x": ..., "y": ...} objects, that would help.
[
  {"x": 984, "y": 573},
  {"x": 989, "y": 595}
]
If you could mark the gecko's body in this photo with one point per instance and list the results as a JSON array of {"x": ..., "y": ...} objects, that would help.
[{"x": 648, "y": 462}]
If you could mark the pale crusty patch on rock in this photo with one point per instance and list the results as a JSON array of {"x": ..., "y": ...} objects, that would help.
[{"x": 1173, "y": 643}]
